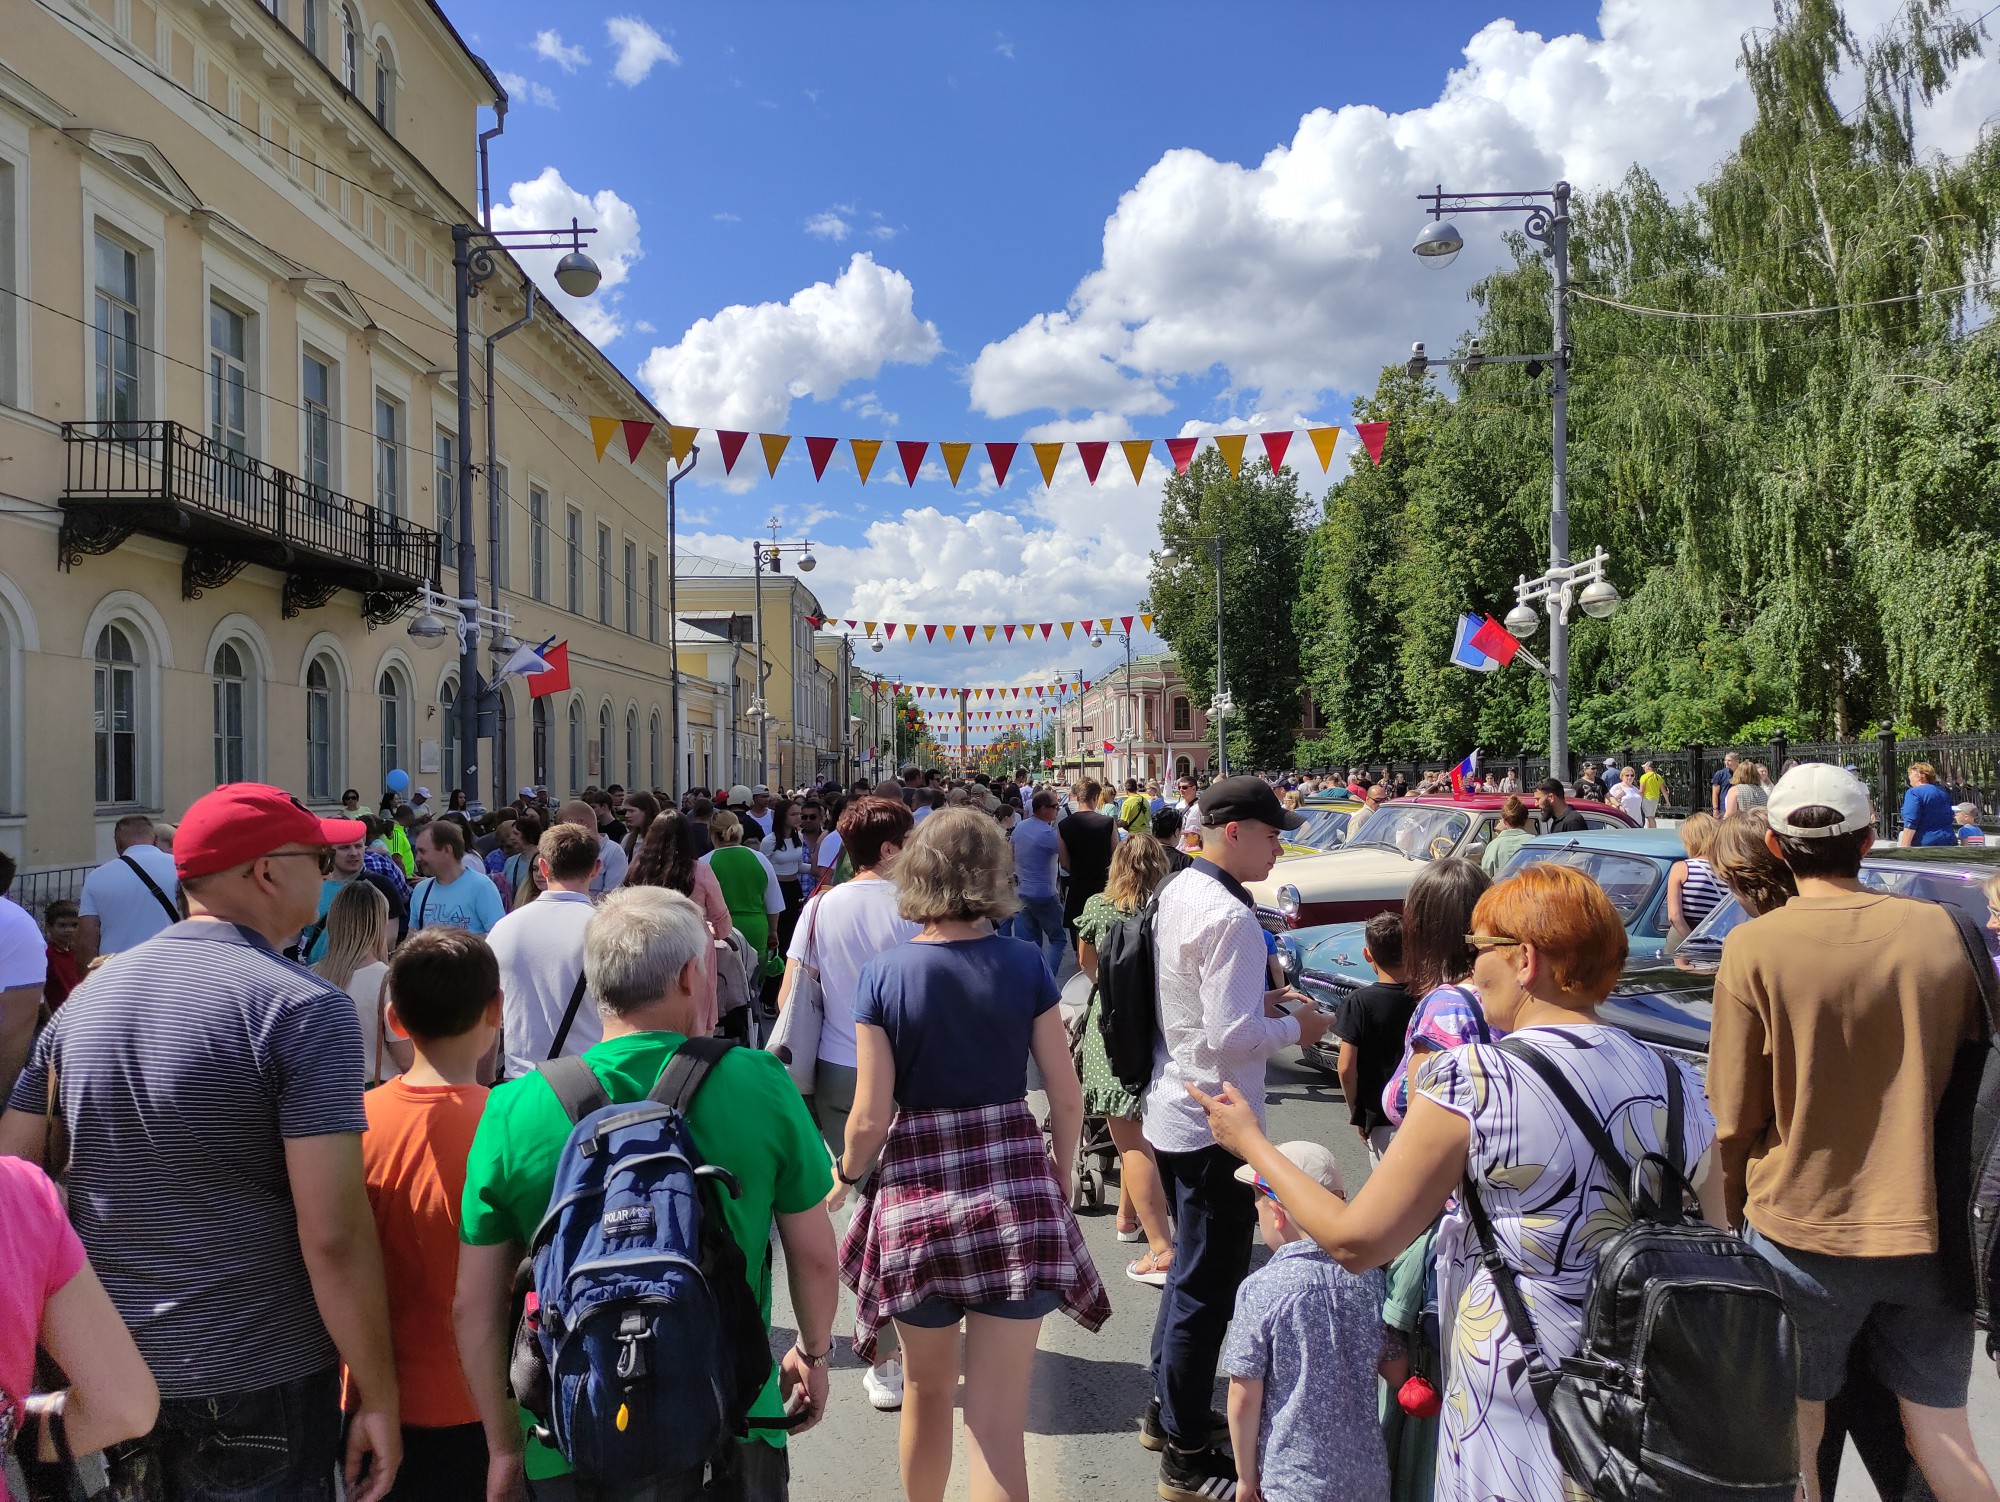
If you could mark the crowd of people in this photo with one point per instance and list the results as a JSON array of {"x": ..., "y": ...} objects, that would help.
[{"x": 292, "y": 1102}]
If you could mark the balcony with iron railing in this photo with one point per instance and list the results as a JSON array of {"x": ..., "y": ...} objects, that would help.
[{"x": 170, "y": 481}]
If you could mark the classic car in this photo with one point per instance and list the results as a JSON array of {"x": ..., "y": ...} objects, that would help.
[
  {"x": 1373, "y": 867},
  {"x": 1327, "y": 821},
  {"x": 1665, "y": 999}
]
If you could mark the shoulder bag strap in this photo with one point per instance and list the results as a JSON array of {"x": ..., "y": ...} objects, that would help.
[
  {"x": 569, "y": 1014},
  {"x": 575, "y": 1085},
  {"x": 381, "y": 1023},
  {"x": 1982, "y": 966},
  {"x": 428, "y": 885},
  {"x": 173, "y": 913},
  {"x": 1541, "y": 1376},
  {"x": 687, "y": 1070}
]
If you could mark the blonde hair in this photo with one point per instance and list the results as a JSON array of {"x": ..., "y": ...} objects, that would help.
[
  {"x": 957, "y": 867},
  {"x": 357, "y": 933},
  {"x": 1698, "y": 832},
  {"x": 1137, "y": 867},
  {"x": 1991, "y": 889},
  {"x": 725, "y": 828}
]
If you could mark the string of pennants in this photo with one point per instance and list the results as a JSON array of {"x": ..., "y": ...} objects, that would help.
[
  {"x": 910, "y": 453},
  {"x": 935, "y": 691},
  {"x": 955, "y": 632}
]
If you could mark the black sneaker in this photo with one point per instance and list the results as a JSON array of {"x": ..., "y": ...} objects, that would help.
[
  {"x": 1197, "y": 1475},
  {"x": 1154, "y": 1437}
]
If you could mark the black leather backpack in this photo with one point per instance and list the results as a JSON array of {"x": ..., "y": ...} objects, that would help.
[{"x": 1685, "y": 1386}]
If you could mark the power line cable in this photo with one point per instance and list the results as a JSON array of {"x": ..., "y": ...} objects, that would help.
[{"x": 1686, "y": 316}]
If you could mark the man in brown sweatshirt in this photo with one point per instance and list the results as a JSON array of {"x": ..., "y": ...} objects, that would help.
[{"x": 1837, "y": 1017}]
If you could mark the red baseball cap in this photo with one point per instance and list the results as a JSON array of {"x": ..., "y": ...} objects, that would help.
[{"x": 243, "y": 820}]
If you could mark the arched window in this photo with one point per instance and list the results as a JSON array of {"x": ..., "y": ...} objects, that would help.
[
  {"x": 448, "y": 735},
  {"x": 604, "y": 762},
  {"x": 229, "y": 690},
  {"x": 539, "y": 715},
  {"x": 632, "y": 746},
  {"x": 120, "y": 708},
  {"x": 385, "y": 86},
  {"x": 350, "y": 51},
  {"x": 1183, "y": 767},
  {"x": 322, "y": 679},
  {"x": 653, "y": 763},
  {"x": 394, "y": 694},
  {"x": 575, "y": 748}
]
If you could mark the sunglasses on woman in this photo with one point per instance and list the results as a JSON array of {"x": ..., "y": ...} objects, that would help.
[{"x": 1480, "y": 943}]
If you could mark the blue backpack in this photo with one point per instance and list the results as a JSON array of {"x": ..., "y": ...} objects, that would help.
[{"x": 644, "y": 1346}]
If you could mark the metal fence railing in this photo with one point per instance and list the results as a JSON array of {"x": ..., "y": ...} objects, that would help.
[{"x": 35, "y": 890}]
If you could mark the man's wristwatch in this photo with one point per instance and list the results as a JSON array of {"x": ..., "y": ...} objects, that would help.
[{"x": 809, "y": 1359}]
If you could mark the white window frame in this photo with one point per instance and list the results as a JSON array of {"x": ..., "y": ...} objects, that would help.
[
  {"x": 349, "y": 58},
  {"x": 247, "y": 295},
  {"x": 653, "y": 602},
  {"x": 396, "y": 503},
  {"x": 573, "y": 559},
  {"x": 538, "y": 540},
  {"x": 402, "y": 700},
  {"x": 383, "y": 104},
  {"x": 311, "y": 353},
  {"x": 136, "y": 616},
  {"x": 110, "y": 208},
  {"x": 628, "y": 562},
  {"x": 445, "y": 461},
  {"x": 16, "y": 369},
  {"x": 603, "y": 574}
]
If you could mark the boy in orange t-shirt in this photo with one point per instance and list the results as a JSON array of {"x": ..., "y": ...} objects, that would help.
[{"x": 444, "y": 995}]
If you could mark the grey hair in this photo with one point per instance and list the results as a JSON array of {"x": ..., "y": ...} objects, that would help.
[{"x": 638, "y": 942}]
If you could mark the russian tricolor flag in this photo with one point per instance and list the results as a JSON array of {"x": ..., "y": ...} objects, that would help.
[
  {"x": 1463, "y": 773},
  {"x": 1482, "y": 644}
]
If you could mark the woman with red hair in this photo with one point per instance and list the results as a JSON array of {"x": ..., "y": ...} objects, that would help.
[{"x": 1547, "y": 948}]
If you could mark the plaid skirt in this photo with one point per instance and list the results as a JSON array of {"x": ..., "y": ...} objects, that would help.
[{"x": 964, "y": 1205}]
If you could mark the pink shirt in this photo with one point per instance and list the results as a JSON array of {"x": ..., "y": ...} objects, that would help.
[{"x": 39, "y": 1253}]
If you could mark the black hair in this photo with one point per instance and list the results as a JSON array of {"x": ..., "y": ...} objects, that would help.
[
  {"x": 1384, "y": 935},
  {"x": 1833, "y": 855}
]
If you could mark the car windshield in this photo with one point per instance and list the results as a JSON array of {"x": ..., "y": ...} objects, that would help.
[
  {"x": 1418, "y": 830},
  {"x": 1324, "y": 828},
  {"x": 1961, "y": 890},
  {"x": 1628, "y": 880}
]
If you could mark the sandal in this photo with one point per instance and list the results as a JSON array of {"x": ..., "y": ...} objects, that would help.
[
  {"x": 1150, "y": 1270},
  {"x": 1130, "y": 1234}
]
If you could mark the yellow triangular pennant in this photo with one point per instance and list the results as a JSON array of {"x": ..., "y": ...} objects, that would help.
[
  {"x": 1105, "y": 625},
  {"x": 681, "y": 441},
  {"x": 1323, "y": 441},
  {"x": 1136, "y": 451},
  {"x": 1068, "y": 626},
  {"x": 602, "y": 431},
  {"x": 954, "y": 458},
  {"x": 865, "y": 450},
  {"x": 1146, "y": 621},
  {"x": 869, "y": 627},
  {"x": 909, "y": 632},
  {"x": 950, "y": 632},
  {"x": 1046, "y": 455},
  {"x": 774, "y": 449},
  {"x": 1230, "y": 445},
  {"x": 989, "y": 632}
]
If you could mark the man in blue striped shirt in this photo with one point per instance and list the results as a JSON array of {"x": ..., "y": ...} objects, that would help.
[{"x": 211, "y": 1091}]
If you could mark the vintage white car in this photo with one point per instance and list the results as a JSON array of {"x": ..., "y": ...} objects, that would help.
[{"x": 1372, "y": 870}]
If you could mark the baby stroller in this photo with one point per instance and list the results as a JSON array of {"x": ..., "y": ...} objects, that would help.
[
  {"x": 739, "y": 975},
  {"x": 1096, "y": 1156}
]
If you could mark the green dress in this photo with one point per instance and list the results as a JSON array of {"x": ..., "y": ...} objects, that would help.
[
  {"x": 744, "y": 882},
  {"x": 1102, "y": 1094}
]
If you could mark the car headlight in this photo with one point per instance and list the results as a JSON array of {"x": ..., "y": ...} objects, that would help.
[
  {"x": 1289, "y": 962},
  {"x": 1289, "y": 901}
]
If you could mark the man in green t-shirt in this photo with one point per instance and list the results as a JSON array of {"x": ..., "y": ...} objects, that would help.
[{"x": 748, "y": 1118}]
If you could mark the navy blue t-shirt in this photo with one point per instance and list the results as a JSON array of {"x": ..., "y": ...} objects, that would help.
[
  {"x": 1927, "y": 810},
  {"x": 959, "y": 1016}
]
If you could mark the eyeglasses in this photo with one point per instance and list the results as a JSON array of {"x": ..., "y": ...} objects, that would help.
[{"x": 1484, "y": 942}]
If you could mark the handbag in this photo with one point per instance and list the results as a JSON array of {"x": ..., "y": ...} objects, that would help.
[{"x": 801, "y": 1015}]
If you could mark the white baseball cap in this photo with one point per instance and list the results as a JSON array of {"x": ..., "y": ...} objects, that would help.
[
  {"x": 527, "y": 791},
  {"x": 1818, "y": 784},
  {"x": 422, "y": 794},
  {"x": 1314, "y": 1159}
]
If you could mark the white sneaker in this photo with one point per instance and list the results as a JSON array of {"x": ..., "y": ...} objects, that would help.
[
  {"x": 884, "y": 1386},
  {"x": 1137, "y": 1233}
]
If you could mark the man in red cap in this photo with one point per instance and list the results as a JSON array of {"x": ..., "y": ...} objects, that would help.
[{"x": 212, "y": 1094}]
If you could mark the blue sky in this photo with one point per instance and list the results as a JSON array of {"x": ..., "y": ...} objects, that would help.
[{"x": 949, "y": 221}]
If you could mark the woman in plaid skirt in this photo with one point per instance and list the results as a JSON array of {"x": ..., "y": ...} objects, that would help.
[{"x": 966, "y": 1217}]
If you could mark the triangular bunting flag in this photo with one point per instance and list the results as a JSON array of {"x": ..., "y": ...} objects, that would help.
[
  {"x": 869, "y": 627},
  {"x": 731, "y": 443},
  {"x": 1047, "y": 627},
  {"x": 1230, "y": 446},
  {"x": 948, "y": 632},
  {"x": 848, "y": 624},
  {"x": 821, "y": 450},
  {"x": 1371, "y": 435},
  {"x": 912, "y": 455},
  {"x": 930, "y": 633},
  {"x": 681, "y": 441},
  {"x": 1000, "y": 456},
  {"x": 968, "y": 634},
  {"x": 1323, "y": 441},
  {"x": 1105, "y": 625},
  {"x": 989, "y": 636},
  {"x": 1046, "y": 455},
  {"x": 1092, "y": 455},
  {"x": 1068, "y": 626},
  {"x": 636, "y": 434},
  {"x": 774, "y": 449},
  {"x": 602, "y": 431},
  {"x": 1182, "y": 450},
  {"x": 954, "y": 459},
  {"x": 909, "y": 632},
  {"x": 1275, "y": 445},
  {"x": 865, "y": 450},
  {"x": 1137, "y": 451},
  {"x": 1125, "y": 622},
  {"x": 1010, "y": 632},
  {"x": 1146, "y": 621}
]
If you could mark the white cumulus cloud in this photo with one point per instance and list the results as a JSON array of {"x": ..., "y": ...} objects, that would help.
[
  {"x": 829, "y": 226},
  {"x": 743, "y": 367},
  {"x": 640, "y": 49},
  {"x": 548, "y": 202},
  {"x": 1293, "y": 275},
  {"x": 549, "y": 47},
  {"x": 538, "y": 94}
]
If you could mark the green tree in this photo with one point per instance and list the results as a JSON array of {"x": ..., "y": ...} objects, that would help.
[{"x": 1261, "y": 520}]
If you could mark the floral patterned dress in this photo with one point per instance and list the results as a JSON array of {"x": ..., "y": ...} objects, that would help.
[
  {"x": 1102, "y": 1094},
  {"x": 1553, "y": 1206}
]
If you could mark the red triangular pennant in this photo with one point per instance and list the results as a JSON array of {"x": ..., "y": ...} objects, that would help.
[
  {"x": 731, "y": 444},
  {"x": 1047, "y": 627},
  {"x": 1010, "y": 632},
  {"x": 1125, "y": 621},
  {"x": 1000, "y": 456},
  {"x": 1092, "y": 455},
  {"x": 1371, "y": 435},
  {"x": 968, "y": 630},
  {"x": 930, "y": 633},
  {"x": 1182, "y": 450},
  {"x": 636, "y": 434},
  {"x": 821, "y": 450},
  {"x": 1275, "y": 445},
  {"x": 912, "y": 455}
]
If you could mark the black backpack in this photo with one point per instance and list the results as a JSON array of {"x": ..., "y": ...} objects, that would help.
[
  {"x": 1685, "y": 1385},
  {"x": 1128, "y": 996}
]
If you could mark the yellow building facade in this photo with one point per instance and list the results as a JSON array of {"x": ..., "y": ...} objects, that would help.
[{"x": 228, "y": 431}]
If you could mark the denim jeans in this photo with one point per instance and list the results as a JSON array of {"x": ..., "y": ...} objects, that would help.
[
  {"x": 1040, "y": 922},
  {"x": 271, "y": 1444},
  {"x": 1214, "y": 1217}
]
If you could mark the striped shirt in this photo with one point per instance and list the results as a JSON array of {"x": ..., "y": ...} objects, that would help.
[
  {"x": 182, "y": 1069},
  {"x": 1702, "y": 892}
]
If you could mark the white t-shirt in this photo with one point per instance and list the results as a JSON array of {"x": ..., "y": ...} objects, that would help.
[
  {"x": 127, "y": 914},
  {"x": 1626, "y": 797},
  {"x": 828, "y": 854},
  {"x": 849, "y": 925},
  {"x": 24, "y": 953},
  {"x": 471, "y": 902},
  {"x": 612, "y": 876},
  {"x": 763, "y": 822},
  {"x": 365, "y": 986},
  {"x": 540, "y": 950},
  {"x": 785, "y": 859}
]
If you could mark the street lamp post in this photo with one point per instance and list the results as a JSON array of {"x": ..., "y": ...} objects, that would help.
[
  {"x": 473, "y": 265},
  {"x": 769, "y": 556},
  {"x": 1438, "y": 244},
  {"x": 674, "y": 477}
]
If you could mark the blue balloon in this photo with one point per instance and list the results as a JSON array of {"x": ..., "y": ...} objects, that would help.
[{"x": 398, "y": 781}]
